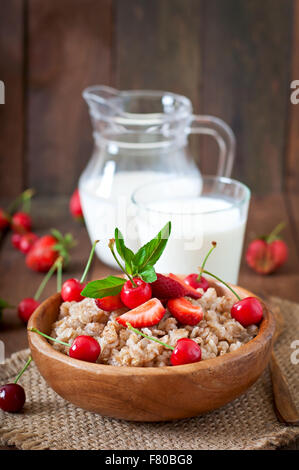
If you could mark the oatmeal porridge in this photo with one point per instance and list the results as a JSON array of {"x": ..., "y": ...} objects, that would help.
[{"x": 217, "y": 333}]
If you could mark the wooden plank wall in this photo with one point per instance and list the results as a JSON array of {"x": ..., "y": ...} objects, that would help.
[{"x": 234, "y": 59}]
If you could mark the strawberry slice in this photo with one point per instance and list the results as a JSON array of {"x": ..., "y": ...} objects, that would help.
[
  {"x": 110, "y": 303},
  {"x": 147, "y": 314},
  {"x": 191, "y": 292},
  {"x": 165, "y": 288},
  {"x": 184, "y": 311}
]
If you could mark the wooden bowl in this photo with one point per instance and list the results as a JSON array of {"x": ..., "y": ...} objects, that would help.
[{"x": 150, "y": 393}]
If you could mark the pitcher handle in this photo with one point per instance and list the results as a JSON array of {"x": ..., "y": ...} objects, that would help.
[{"x": 224, "y": 136}]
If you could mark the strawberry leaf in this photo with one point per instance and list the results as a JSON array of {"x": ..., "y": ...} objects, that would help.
[
  {"x": 149, "y": 253},
  {"x": 111, "y": 285},
  {"x": 148, "y": 274}
]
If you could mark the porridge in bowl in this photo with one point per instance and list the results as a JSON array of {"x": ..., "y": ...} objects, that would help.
[{"x": 217, "y": 333}]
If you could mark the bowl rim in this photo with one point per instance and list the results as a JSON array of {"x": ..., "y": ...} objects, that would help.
[{"x": 266, "y": 332}]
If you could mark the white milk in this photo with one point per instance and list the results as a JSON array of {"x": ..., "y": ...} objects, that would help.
[
  {"x": 106, "y": 204},
  {"x": 193, "y": 232}
]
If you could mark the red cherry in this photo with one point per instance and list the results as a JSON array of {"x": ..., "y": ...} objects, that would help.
[
  {"x": 26, "y": 308},
  {"x": 248, "y": 311},
  {"x": 132, "y": 296},
  {"x": 85, "y": 348},
  {"x": 186, "y": 351},
  {"x": 110, "y": 303},
  {"x": 192, "y": 280},
  {"x": 21, "y": 222},
  {"x": 15, "y": 240},
  {"x": 71, "y": 290},
  {"x": 27, "y": 241},
  {"x": 75, "y": 206},
  {"x": 4, "y": 219},
  {"x": 12, "y": 397}
]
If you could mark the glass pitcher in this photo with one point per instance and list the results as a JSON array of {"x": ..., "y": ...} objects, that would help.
[{"x": 139, "y": 137}]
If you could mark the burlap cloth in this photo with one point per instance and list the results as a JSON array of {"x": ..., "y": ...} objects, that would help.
[{"x": 49, "y": 422}]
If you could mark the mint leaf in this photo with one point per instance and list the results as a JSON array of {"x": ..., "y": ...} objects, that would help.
[
  {"x": 124, "y": 252},
  {"x": 111, "y": 285},
  {"x": 149, "y": 253},
  {"x": 148, "y": 274}
]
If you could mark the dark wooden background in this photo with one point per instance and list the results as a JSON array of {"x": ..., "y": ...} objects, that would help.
[{"x": 234, "y": 59}]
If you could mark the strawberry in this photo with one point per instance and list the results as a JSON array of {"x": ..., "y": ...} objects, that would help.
[
  {"x": 46, "y": 250},
  {"x": 184, "y": 311},
  {"x": 75, "y": 206},
  {"x": 191, "y": 292},
  {"x": 110, "y": 303},
  {"x": 165, "y": 288},
  {"x": 147, "y": 314},
  {"x": 266, "y": 254}
]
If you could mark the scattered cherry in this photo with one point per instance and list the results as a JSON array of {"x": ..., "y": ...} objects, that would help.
[
  {"x": 15, "y": 240},
  {"x": 21, "y": 222},
  {"x": 110, "y": 303},
  {"x": 85, "y": 348},
  {"x": 12, "y": 397},
  {"x": 26, "y": 308},
  {"x": 27, "y": 241},
  {"x": 247, "y": 311},
  {"x": 186, "y": 351},
  {"x": 133, "y": 296},
  {"x": 192, "y": 281},
  {"x": 75, "y": 206},
  {"x": 4, "y": 219},
  {"x": 71, "y": 290}
]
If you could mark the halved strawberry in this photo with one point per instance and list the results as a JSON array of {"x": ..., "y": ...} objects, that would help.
[
  {"x": 165, "y": 288},
  {"x": 191, "y": 292},
  {"x": 184, "y": 311},
  {"x": 147, "y": 314},
  {"x": 110, "y": 303}
]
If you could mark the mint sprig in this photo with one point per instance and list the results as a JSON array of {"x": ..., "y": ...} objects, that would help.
[{"x": 140, "y": 264}]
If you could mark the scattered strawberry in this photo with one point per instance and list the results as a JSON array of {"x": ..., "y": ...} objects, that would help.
[
  {"x": 110, "y": 303},
  {"x": 266, "y": 254},
  {"x": 15, "y": 240},
  {"x": 4, "y": 219},
  {"x": 26, "y": 308},
  {"x": 147, "y": 314},
  {"x": 21, "y": 222},
  {"x": 46, "y": 250},
  {"x": 27, "y": 241},
  {"x": 75, "y": 206},
  {"x": 12, "y": 396},
  {"x": 165, "y": 288},
  {"x": 184, "y": 311},
  {"x": 186, "y": 351}
]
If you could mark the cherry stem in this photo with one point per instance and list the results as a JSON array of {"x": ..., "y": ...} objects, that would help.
[
  {"x": 47, "y": 277},
  {"x": 89, "y": 261},
  {"x": 214, "y": 244},
  {"x": 130, "y": 327},
  {"x": 223, "y": 282},
  {"x": 25, "y": 196},
  {"x": 23, "y": 370},
  {"x": 275, "y": 232},
  {"x": 119, "y": 264},
  {"x": 35, "y": 330}
]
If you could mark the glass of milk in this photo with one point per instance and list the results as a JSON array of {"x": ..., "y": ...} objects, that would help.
[
  {"x": 201, "y": 211},
  {"x": 140, "y": 137}
]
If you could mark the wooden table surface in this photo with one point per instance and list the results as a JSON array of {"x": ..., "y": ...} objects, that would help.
[{"x": 17, "y": 281}]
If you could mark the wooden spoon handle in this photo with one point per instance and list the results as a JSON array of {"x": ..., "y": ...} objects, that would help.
[{"x": 285, "y": 407}]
